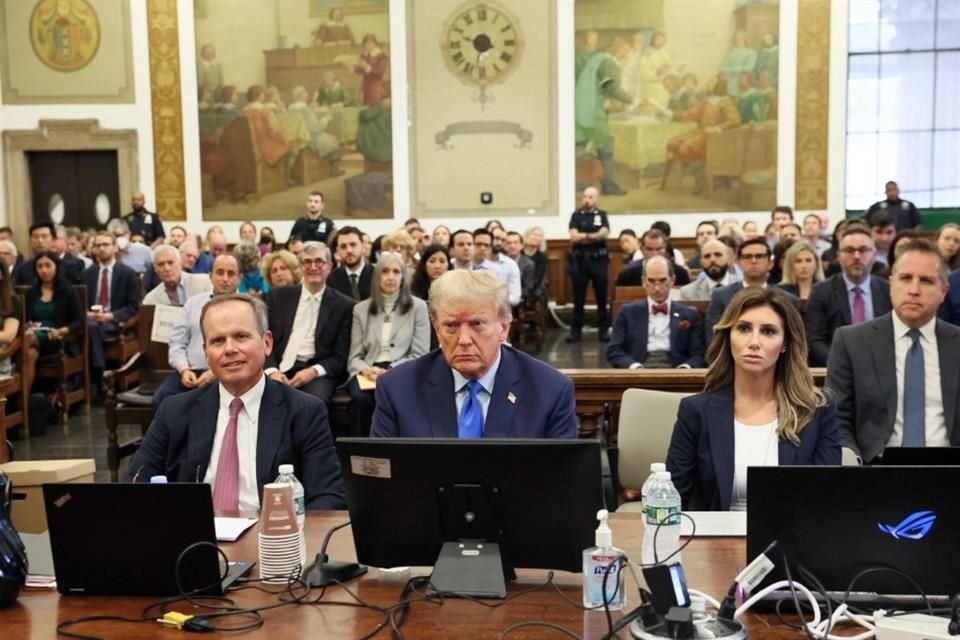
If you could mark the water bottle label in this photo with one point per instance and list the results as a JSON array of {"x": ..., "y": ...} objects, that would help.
[
  {"x": 300, "y": 505},
  {"x": 662, "y": 515}
]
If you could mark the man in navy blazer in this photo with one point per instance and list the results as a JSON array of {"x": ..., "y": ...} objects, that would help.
[
  {"x": 673, "y": 333},
  {"x": 474, "y": 386},
  {"x": 950, "y": 309},
  {"x": 122, "y": 297},
  {"x": 189, "y": 438}
]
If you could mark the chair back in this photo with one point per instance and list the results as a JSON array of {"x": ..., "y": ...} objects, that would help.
[
  {"x": 646, "y": 424},
  {"x": 154, "y": 360}
]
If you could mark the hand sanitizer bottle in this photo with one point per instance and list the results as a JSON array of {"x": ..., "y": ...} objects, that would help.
[{"x": 596, "y": 562}]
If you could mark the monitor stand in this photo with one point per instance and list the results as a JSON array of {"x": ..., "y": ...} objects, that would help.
[{"x": 469, "y": 568}]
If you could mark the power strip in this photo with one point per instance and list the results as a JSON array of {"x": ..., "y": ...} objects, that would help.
[{"x": 913, "y": 626}]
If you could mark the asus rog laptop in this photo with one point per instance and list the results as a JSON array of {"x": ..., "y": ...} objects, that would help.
[
  {"x": 124, "y": 539},
  {"x": 838, "y": 521}
]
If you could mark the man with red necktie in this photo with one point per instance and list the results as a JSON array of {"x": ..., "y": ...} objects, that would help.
[{"x": 657, "y": 332}]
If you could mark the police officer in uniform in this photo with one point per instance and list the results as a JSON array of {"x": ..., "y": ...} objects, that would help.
[
  {"x": 313, "y": 227},
  {"x": 903, "y": 212},
  {"x": 588, "y": 260},
  {"x": 144, "y": 223}
]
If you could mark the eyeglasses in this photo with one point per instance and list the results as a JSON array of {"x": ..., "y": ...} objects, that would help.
[
  {"x": 309, "y": 262},
  {"x": 855, "y": 250},
  {"x": 753, "y": 257}
]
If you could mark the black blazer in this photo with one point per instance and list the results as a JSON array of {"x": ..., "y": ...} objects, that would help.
[
  {"x": 332, "y": 335},
  {"x": 293, "y": 428},
  {"x": 124, "y": 290},
  {"x": 67, "y": 312},
  {"x": 828, "y": 309},
  {"x": 71, "y": 268},
  {"x": 340, "y": 280}
]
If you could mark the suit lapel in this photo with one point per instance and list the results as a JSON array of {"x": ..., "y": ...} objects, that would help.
[
  {"x": 719, "y": 419},
  {"x": 643, "y": 331},
  {"x": 502, "y": 411},
  {"x": 884, "y": 363},
  {"x": 273, "y": 414},
  {"x": 201, "y": 429},
  {"x": 787, "y": 452},
  {"x": 841, "y": 300},
  {"x": 326, "y": 302},
  {"x": 948, "y": 344},
  {"x": 674, "y": 328},
  {"x": 440, "y": 402}
]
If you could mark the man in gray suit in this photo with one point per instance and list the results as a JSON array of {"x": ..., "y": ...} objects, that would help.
[
  {"x": 850, "y": 297},
  {"x": 715, "y": 259},
  {"x": 176, "y": 287},
  {"x": 895, "y": 378}
]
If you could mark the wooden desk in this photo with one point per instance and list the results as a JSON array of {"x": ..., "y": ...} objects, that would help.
[{"x": 710, "y": 565}]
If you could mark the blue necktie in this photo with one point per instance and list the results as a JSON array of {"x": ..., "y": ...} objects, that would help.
[
  {"x": 914, "y": 395},
  {"x": 470, "y": 423}
]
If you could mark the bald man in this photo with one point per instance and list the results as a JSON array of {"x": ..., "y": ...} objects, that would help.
[
  {"x": 144, "y": 223},
  {"x": 715, "y": 262}
]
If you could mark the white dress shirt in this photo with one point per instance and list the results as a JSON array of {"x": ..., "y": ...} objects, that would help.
[
  {"x": 185, "y": 349},
  {"x": 658, "y": 328},
  {"x": 935, "y": 426},
  {"x": 753, "y": 446},
  {"x": 486, "y": 381},
  {"x": 302, "y": 344},
  {"x": 247, "y": 429},
  {"x": 509, "y": 272}
]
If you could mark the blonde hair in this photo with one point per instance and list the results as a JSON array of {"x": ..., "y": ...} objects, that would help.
[
  {"x": 797, "y": 396},
  {"x": 400, "y": 241},
  {"x": 286, "y": 258},
  {"x": 791, "y": 255},
  {"x": 473, "y": 288},
  {"x": 543, "y": 237}
]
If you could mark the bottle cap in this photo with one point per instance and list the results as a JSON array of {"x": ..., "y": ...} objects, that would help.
[
  {"x": 657, "y": 466},
  {"x": 286, "y": 468},
  {"x": 663, "y": 475},
  {"x": 604, "y": 537},
  {"x": 158, "y": 479}
]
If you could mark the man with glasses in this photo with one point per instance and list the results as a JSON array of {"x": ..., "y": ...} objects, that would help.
[
  {"x": 755, "y": 260},
  {"x": 310, "y": 323},
  {"x": 715, "y": 261},
  {"x": 652, "y": 243},
  {"x": 656, "y": 333},
  {"x": 852, "y": 296}
]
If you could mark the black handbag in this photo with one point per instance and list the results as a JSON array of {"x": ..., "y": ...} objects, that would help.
[{"x": 13, "y": 555}]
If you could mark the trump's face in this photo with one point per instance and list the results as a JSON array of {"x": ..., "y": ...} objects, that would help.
[{"x": 470, "y": 336}]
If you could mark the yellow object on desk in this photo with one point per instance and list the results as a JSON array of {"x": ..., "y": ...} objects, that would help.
[{"x": 366, "y": 384}]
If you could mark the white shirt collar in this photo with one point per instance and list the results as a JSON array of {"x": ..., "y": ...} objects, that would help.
[
  {"x": 928, "y": 331},
  {"x": 251, "y": 399},
  {"x": 356, "y": 271},
  {"x": 486, "y": 380},
  {"x": 850, "y": 285},
  {"x": 305, "y": 293}
]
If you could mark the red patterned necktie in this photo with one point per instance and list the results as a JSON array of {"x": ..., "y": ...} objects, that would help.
[
  {"x": 103, "y": 298},
  {"x": 226, "y": 486},
  {"x": 659, "y": 308}
]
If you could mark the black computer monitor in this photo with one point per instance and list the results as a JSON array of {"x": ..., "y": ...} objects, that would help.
[{"x": 534, "y": 501}]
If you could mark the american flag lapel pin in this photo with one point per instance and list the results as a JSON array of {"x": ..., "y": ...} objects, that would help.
[{"x": 512, "y": 399}]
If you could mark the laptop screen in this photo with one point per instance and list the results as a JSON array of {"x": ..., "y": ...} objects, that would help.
[{"x": 838, "y": 521}]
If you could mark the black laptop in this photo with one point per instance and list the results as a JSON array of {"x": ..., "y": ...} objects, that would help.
[
  {"x": 926, "y": 456},
  {"x": 838, "y": 521},
  {"x": 124, "y": 539}
]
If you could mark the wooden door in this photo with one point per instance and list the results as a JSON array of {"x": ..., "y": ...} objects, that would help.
[{"x": 66, "y": 186}]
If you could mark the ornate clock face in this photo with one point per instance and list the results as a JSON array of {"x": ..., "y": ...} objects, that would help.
[{"x": 481, "y": 43}]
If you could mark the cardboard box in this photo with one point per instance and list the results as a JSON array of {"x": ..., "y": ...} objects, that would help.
[{"x": 27, "y": 476}]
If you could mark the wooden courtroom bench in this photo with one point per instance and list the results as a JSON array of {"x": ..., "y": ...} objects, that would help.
[{"x": 595, "y": 390}]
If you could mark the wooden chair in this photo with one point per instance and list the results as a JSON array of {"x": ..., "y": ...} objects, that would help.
[
  {"x": 134, "y": 405},
  {"x": 13, "y": 386},
  {"x": 62, "y": 366},
  {"x": 623, "y": 295},
  {"x": 535, "y": 316},
  {"x": 120, "y": 348}
]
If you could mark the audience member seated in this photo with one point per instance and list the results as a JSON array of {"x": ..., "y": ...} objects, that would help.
[
  {"x": 135, "y": 255},
  {"x": 185, "y": 349},
  {"x": 280, "y": 269},
  {"x": 513, "y": 249},
  {"x": 535, "y": 247},
  {"x": 755, "y": 261},
  {"x": 652, "y": 243},
  {"x": 8, "y": 257},
  {"x": 655, "y": 332},
  {"x": 506, "y": 269},
  {"x": 114, "y": 296},
  {"x": 9, "y": 319},
  {"x": 252, "y": 281},
  {"x": 853, "y": 296},
  {"x": 441, "y": 235},
  {"x": 950, "y": 309},
  {"x": 310, "y": 324},
  {"x": 629, "y": 246},
  {"x": 673, "y": 253},
  {"x": 176, "y": 286},
  {"x": 474, "y": 386},
  {"x": 352, "y": 277},
  {"x": 883, "y": 230},
  {"x": 896, "y": 378},
  {"x": 53, "y": 312},
  {"x": 178, "y": 235},
  {"x": 236, "y": 433},
  {"x": 707, "y": 230},
  {"x": 41, "y": 239},
  {"x": 812, "y": 233},
  {"x": 389, "y": 328},
  {"x": 189, "y": 254},
  {"x": 948, "y": 241},
  {"x": 400, "y": 241},
  {"x": 779, "y": 252},
  {"x": 759, "y": 407},
  {"x": 267, "y": 243},
  {"x": 801, "y": 269},
  {"x": 461, "y": 249},
  {"x": 714, "y": 260},
  {"x": 434, "y": 262},
  {"x": 749, "y": 229}
]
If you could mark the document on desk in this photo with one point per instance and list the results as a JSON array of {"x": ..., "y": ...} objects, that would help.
[
  {"x": 715, "y": 524},
  {"x": 40, "y": 559},
  {"x": 230, "y": 529}
]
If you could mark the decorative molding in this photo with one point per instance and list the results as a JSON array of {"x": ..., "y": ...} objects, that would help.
[
  {"x": 813, "y": 99},
  {"x": 59, "y": 135},
  {"x": 163, "y": 32}
]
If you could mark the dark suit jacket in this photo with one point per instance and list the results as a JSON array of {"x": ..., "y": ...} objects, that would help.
[
  {"x": 72, "y": 271},
  {"x": 950, "y": 309},
  {"x": 632, "y": 276},
  {"x": 828, "y": 309},
  {"x": 863, "y": 377},
  {"x": 340, "y": 280},
  {"x": 332, "y": 336},
  {"x": 67, "y": 312},
  {"x": 530, "y": 400},
  {"x": 701, "y": 458},
  {"x": 720, "y": 300},
  {"x": 628, "y": 342},
  {"x": 124, "y": 290},
  {"x": 292, "y": 429}
]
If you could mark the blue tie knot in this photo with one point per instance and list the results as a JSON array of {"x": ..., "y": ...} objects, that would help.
[
  {"x": 914, "y": 334},
  {"x": 474, "y": 387}
]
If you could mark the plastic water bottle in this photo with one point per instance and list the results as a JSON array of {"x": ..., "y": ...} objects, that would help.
[
  {"x": 655, "y": 467},
  {"x": 286, "y": 477},
  {"x": 662, "y": 509}
]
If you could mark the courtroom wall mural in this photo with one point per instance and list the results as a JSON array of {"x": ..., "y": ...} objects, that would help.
[
  {"x": 65, "y": 52},
  {"x": 676, "y": 103},
  {"x": 294, "y": 97}
]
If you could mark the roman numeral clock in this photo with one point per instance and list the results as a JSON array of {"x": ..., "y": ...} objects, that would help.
[{"x": 481, "y": 45}]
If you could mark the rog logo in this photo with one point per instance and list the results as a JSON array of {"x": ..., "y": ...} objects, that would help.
[{"x": 914, "y": 527}]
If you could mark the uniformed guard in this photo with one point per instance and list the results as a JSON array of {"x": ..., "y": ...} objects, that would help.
[
  {"x": 588, "y": 260},
  {"x": 313, "y": 227},
  {"x": 144, "y": 223},
  {"x": 903, "y": 212}
]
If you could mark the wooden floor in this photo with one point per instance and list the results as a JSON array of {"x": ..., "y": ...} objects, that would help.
[{"x": 85, "y": 435}]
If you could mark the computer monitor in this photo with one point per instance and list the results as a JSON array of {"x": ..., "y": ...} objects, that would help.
[{"x": 517, "y": 503}]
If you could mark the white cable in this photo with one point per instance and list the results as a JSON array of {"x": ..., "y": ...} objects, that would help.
[
  {"x": 776, "y": 586},
  {"x": 710, "y": 599}
]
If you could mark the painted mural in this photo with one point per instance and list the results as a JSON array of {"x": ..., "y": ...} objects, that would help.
[
  {"x": 676, "y": 103},
  {"x": 290, "y": 102}
]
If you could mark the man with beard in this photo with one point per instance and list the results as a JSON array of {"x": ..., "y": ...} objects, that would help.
[
  {"x": 507, "y": 269},
  {"x": 714, "y": 259},
  {"x": 144, "y": 223},
  {"x": 352, "y": 277}
]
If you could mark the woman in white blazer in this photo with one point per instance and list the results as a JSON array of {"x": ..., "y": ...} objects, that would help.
[{"x": 390, "y": 327}]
